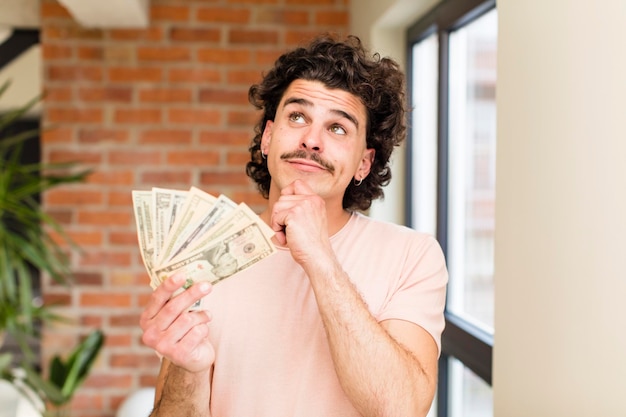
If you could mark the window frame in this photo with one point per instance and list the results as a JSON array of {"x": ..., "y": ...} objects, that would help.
[{"x": 461, "y": 339}]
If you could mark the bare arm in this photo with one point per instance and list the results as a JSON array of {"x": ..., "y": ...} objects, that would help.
[
  {"x": 181, "y": 337},
  {"x": 176, "y": 389},
  {"x": 385, "y": 369}
]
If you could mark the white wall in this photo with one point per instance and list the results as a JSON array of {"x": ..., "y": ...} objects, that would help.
[
  {"x": 560, "y": 344},
  {"x": 381, "y": 25},
  {"x": 560, "y": 204}
]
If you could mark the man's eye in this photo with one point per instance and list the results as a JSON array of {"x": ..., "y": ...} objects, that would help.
[
  {"x": 338, "y": 130},
  {"x": 296, "y": 117}
]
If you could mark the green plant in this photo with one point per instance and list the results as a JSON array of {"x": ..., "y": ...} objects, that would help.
[
  {"x": 64, "y": 377},
  {"x": 31, "y": 241},
  {"x": 26, "y": 242}
]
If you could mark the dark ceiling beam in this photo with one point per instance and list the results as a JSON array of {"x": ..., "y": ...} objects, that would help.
[{"x": 19, "y": 41}]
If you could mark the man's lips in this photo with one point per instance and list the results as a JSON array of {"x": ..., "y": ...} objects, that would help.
[
  {"x": 310, "y": 161},
  {"x": 306, "y": 164}
]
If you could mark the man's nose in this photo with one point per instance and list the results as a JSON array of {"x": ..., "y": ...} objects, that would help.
[{"x": 312, "y": 139}]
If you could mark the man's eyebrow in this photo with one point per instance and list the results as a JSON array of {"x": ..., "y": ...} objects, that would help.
[{"x": 305, "y": 102}]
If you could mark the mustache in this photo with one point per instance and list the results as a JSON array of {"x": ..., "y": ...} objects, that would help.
[{"x": 313, "y": 156}]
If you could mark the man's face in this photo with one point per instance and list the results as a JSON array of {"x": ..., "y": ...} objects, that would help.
[{"x": 318, "y": 136}]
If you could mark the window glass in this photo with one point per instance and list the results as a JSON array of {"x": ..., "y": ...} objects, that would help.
[
  {"x": 471, "y": 159},
  {"x": 469, "y": 396},
  {"x": 424, "y": 134}
]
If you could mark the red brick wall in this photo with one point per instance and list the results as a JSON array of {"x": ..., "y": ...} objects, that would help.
[{"x": 165, "y": 106}]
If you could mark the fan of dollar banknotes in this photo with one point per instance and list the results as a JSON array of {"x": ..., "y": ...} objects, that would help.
[{"x": 207, "y": 238}]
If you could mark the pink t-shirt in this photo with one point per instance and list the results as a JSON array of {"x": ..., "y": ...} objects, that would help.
[{"x": 272, "y": 355}]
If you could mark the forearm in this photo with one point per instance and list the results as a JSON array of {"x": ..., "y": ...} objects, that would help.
[
  {"x": 182, "y": 393},
  {"x": 381, "y": 377}
]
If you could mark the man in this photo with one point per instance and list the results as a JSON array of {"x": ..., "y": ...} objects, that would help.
[{"x": 345, "y": 320}]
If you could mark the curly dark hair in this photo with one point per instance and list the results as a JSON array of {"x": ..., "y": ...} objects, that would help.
[{"x": 346, "y": 65}]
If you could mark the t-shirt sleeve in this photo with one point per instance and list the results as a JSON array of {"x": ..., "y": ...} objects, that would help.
[{"x": 420, "y": 293}]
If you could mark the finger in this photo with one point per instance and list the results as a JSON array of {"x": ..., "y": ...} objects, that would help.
[
  {"x": 301, "y": 187},
  {"x": 162, "y": 294},
  {"x": 187, "y": 298},
  {"x": 183, "y": 324}
]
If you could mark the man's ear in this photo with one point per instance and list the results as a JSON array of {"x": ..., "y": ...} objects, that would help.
[
  {"x": 366, "y": 164},
  {"x": 267, "y": 136}
]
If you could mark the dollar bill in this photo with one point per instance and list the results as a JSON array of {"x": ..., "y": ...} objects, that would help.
[
  {"x": 167, "y": 204},
  {"x": 142, "y": 206},
  {"x": 222, "y": 258},
  {"x": 204, "y": 237},
  {"x": 239, "y": 218},
  {"x": 197, "y": 202},
  {"x": 202, "y": 223}
]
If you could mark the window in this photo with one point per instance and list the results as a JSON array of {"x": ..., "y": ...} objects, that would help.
[{"x": 452, "y": 58}]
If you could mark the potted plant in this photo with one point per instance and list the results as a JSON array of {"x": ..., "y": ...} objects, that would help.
[{"x": 27, "y": 247}]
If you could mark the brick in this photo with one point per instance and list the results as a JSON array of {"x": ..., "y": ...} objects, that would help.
[
  {"x": 224, "y": 178},
  {"x": 57, "y": 135},
  {"x": 97, "y": 380},
  {"x": 74, "y": 73},
  {"x": 204, "y": 35},
  {"x": 310, "y": 2},
  {"x": 106, "y": 94},
  {"x": 266, "y": 57},
  {"x": 91, "y": 320},
  {"x": 170, "y": 13},
  {"x": 73, "y": 115},
  {"x": 69, "y": 156},
  {"x": 118, "y": 340},
  {"x": 88, "y": 278},
  {"x": 118, "y": 54},
  {"x": 166, "y": 177},
  {"x": 63, "y": 217},
  {"x": 52, "y": 299},
  {"x": 151, "y": 34},
  {"x": 193, "y": 116},
  {"x": 164, "y": 54},
  {"x": 112, "y": 178},
  {"x": 223, "y": 15},
  {"x": 244, "y": 77},
  {"x": 242, "y": 36},
  {"x": 163, "y": 137},
  {"x": 195, "y": 75},
  {"x": 112, "y": 299},
  {"x": 139, "y": 157},
  {"x": 126, "y": 279},
  {"x": 134, "y": 360},
  {"x": 124, "y": 320},
  {"x": 283, "y": 17},
  {"x": 131, "y": 75},
  {"x": 101, "y": 135},
  {"x": 53, "y": 52},
  {"x": 165, "y": 95},
  {"x": 223, "y": 96},
  {"x": 104, "y": 218},
  {"x": 105, "y": 260},
  {"x": 123, "y": 238},
  {"x": 90, "y": 53},
  {"x": 237, "y": 158},
  {"x": 224, "y": 56},
  {"x": 229, "y": 137},
  {"x": 63, "y": 94},
  {"x": 241, "y": 118},
  {"x": 193, "y": 157},
  {"x": 73, "y": 197},
  {"x": 119, "y": 198},
  {"x": 332, "y": 18},
  {"x": 73, "y": 32},
  {"x": 143, "y": 116}
]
